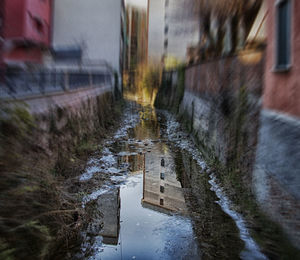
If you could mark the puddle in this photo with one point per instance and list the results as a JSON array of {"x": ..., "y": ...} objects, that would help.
[
  {"x": 147, "y": 230},
  {"x": 142, "y": 205}
]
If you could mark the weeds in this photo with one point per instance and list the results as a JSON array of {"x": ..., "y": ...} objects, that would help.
[
  {"x": 268, "y": 234},
  {"x": 40, "y": 216},
  {"x": 234, "y": 172}
]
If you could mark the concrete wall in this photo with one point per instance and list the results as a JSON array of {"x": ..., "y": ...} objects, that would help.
[
  {"x": 62, "y": 121},
  {"x": 71, "y": 100},
  {"x": 156, "y": 30},
  {"x": 93, "y": 24},
  {"x": 183, "y": 28},
  {"x": 222, "y": 98},
  {"x": 276, "y": 179},
  {"x": 222, "y": 106}
]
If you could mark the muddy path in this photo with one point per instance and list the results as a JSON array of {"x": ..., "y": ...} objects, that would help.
[{"x": 151, "y": 196}]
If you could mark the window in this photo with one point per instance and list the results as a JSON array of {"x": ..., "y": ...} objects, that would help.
[
  {"x": 161, "y": 202},
  {"x": 162, "y": 189},
  {"x": 162, "y": 175},
  {"x": 166, "y": 43},
  {"x": 283, "y": 30},
  {"x": 162, "y": 162},
  {"x": 166, "y": 29}
]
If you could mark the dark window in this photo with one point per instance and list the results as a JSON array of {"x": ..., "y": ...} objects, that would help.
[
  {"x": 162, "y": 175},
  {"x": 283, "y": 34},
  {"x": 166, "y": 43},
  {"x": 70, "y": 53},
  {"x": 161, "y": 202},
  {"x": 162, "y": 163},
  {"x": 162, "y": 189},
  {"x": 166, "y": 29}
]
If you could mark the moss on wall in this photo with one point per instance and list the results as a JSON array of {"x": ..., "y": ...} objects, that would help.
[{"x": 170, "y": 94}]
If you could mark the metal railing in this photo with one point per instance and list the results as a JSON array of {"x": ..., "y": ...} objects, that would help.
[{"x": 17, "y": 83}]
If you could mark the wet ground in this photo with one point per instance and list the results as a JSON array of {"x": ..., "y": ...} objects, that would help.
[{"x": 153, "y": 197}]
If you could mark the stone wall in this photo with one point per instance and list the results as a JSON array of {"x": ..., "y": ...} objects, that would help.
[
  {"x": 222, "y": 99},
  {"x": 72, "y": 118},
  {"x": 44, "y": 144},
  {"x": 221, "y": 106}
]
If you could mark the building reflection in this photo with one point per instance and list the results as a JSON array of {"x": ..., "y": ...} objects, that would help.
[
  {"x": 161, "y": 189},
  {"x": 136, "y": 163},
  {"x": 149, "y": 127},
  {"x": 109, "y": 206},
  {"x": 109, "y": 203}
]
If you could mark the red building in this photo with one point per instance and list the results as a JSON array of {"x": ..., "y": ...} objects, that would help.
[
  {"x": 277, "y": 173},
  {"x": 25, "y": 30},
  {"x": 282, "y": 89}
]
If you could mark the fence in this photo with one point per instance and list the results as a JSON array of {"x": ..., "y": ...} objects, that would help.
[{"x": 20, "y": 83}]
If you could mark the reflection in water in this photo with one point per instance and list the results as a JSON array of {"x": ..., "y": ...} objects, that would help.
[
  {"x": 161, "y": 188},
  {"x": 142, "y": 96},
  {"x": 147, "y": 228},
  {"x": 135, "y": 161},
  {"x": 138, "y": 219},
  {"x": 147, "y": 216},
  {"x": 148, "y": 128},
  {"x": 109, "y": 206},
  {"x": 146, "y": 233}
]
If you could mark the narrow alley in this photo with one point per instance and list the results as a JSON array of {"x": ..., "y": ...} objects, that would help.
[
  {"x": 149, "y": 129},
  {"x": 145, "y": 199}
]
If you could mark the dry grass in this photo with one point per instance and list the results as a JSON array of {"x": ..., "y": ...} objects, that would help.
[{"x": 40, "y": 216}]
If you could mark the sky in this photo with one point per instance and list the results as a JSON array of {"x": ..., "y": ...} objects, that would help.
[{"x": 140, "y": 3}]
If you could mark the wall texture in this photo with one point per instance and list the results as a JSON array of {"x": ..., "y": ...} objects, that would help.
[
  {"x": 69, "y": 116},
  {"x": 222, "y": 98},
  {"x": 221, "y": 104},
  {"x": 93, "y": 24},
  {"x": 44, "y": 143},
  {"x": 156, "y": 32},
  {"x": 276, "y": 179},
  {"x": 183, "y": 28},
  {"x": 282, "y": 90}
]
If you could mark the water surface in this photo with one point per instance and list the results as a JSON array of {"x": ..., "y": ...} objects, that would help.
[{"x": 152, "y": 198}]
